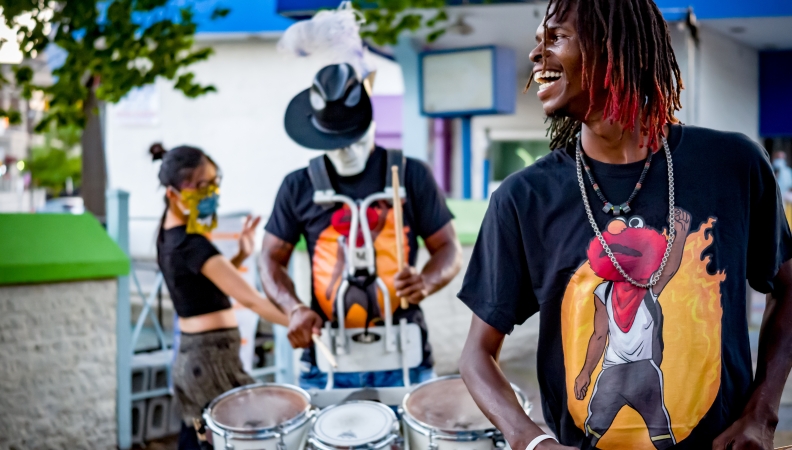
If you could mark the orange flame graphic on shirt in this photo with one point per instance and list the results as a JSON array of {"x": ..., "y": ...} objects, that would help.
[{"x": 691, "y": 364}]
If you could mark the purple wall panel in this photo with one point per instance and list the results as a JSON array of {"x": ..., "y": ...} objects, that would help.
[
  {"x": 388, "y": 116},
  {"x": 441, "y": 166}
]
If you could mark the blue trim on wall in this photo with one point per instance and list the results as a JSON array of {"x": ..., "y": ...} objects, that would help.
[
  {"x": 729, "y": 9},
  {"x": 486, "y": 183},
  {"x": 467, "y": 159},
  {"x": 775, "y": 94},
  {"x": 306, "y": 8},
  {"x": 705, "y": 9},
  {"x": 246, "y": 16},
  {"x": 302, "y": 8}
]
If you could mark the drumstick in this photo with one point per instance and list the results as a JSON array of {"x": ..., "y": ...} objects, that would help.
[
  {"x": 786, "y": 447},
  {"x": 324, "y": 350},
  {"x": 397, "y": 217}
]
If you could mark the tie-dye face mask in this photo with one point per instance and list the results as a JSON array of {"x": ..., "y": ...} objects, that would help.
[{"x": 202, "y": 205}]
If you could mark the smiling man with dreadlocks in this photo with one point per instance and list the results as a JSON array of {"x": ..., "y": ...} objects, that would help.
[{"x": 634, "y": 240}]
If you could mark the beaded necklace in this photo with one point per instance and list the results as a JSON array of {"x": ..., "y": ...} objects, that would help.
[
  {"x": 671, "y": 220},
  {"x": 609, "y": 207}
]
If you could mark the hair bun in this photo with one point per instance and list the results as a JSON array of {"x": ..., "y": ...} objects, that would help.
[{"x": 157, "y": 151}]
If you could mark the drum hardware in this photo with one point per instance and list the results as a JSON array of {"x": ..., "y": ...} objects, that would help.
[
  {"x": 393, "y": 396},
  {"x": 228, "y": 445},
  {"x": 281, "y": 444},
  {"x": 366, "y": 338},
  {"x": 432, "y": 444},
  {"x": 360, "y": 258},
  {"x": 371, "y": 349}
]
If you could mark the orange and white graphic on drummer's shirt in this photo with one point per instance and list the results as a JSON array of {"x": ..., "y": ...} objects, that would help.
[
  {"x": 643, "y": 366},
  {"x": 329, "y": 262}
]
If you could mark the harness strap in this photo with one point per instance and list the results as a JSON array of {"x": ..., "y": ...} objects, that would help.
[{"x": 320, "y": 180}]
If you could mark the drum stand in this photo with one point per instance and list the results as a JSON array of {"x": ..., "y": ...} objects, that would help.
[{"x": 376, "y": 348}]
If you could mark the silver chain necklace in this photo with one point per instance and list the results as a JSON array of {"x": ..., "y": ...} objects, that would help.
[{"x": 671, "y": 231}]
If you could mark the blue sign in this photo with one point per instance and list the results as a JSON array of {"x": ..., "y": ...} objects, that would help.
[{"x": 464, "y": 82}]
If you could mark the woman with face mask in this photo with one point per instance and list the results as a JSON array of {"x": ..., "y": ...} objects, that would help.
[{"x": 200, "y": 280}]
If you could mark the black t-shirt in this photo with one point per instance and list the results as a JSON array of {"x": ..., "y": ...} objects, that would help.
[
  {"x": 296, "y": 214},
  {"x": 674, "y": 366},
  {"x": 181, "y": 257}
]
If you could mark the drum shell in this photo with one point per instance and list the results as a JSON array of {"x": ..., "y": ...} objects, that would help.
[
  {"x": 417, "y": 434},
  {"x": 294, "y": 431},
  {"x": 393, "y": 443},
  {"x": 419, "y": 440},
  {"x": 294, "y": 440}
]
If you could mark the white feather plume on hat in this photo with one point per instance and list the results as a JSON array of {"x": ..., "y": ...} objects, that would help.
[{"x": 333, "y": 35}]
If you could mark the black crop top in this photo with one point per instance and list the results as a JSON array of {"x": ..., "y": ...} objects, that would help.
[{"x": 181, "y": 257}]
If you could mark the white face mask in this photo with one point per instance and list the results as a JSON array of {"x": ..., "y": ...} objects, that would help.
[{"x": 349, "y": 161}]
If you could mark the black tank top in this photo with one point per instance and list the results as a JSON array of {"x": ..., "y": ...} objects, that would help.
[{"x": 181, "y": 257}]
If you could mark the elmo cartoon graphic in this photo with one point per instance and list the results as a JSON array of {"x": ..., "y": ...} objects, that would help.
[{"x": 628, "y": 327}]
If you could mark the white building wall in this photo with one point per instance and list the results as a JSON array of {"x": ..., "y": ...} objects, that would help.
[
  {"x": 722, "y": 89},
  {"x": 729, "y": 85}
]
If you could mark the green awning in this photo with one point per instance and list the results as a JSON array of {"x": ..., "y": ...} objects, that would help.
[{"x": 41, "y": 248}]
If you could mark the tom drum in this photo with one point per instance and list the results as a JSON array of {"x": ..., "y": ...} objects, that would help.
[
  {"x": 355, "y": 425},
  {"x": 440, "y": 414},
  {"x": 263, "y": 416}
]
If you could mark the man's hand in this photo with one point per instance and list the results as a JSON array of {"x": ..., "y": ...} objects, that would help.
[
  {"x": 748, "y": 433},
  {"x": 581, "y": 385},
  {"x": 410, "y": 284},
  {"x": 303, "y": 323}
]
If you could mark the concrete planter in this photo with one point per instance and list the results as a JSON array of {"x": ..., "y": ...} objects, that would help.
[
  {"x": 59, "y": 286},
  {"x": 58, "y": 376}
]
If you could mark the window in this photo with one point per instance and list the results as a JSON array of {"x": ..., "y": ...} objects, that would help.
[{"x": 508, "y": 157}]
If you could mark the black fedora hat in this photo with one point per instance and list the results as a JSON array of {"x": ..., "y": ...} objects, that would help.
[{"x": 334, "y": 112}]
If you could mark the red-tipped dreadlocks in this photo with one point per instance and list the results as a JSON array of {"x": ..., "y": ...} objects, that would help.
[{"x": 642, "y": 77}]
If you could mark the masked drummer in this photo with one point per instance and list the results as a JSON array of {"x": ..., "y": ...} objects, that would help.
[
  {"x": 334, "y": 116},
  {"x": 200, "y": 280}
]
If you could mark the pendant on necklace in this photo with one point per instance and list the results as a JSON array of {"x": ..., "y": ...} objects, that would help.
[
  {"x": 609, "y": 207},
  {"x": 616, "y": 210}
]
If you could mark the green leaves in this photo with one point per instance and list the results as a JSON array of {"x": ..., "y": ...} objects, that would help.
[
  {"x": 111, "y": 47},
  {"x": 57, "y": 160},
  {"x": 385, "y": 20}
]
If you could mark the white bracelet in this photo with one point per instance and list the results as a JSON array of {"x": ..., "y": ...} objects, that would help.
[{"x": 538, "y": 439}]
